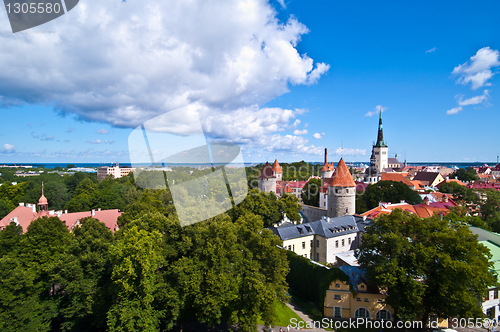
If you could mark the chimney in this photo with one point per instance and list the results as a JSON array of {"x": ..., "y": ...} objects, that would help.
[
  {"x": 93, "y": 212},
  {"x": 426, "y": 200},
  {"x": 326, "y": 160},
  {"x": 99, "y": 209},
  {"x": 21, "y": 204},
  {"x": 445, "y": 198},
  {"x": 65, "y": 211},
  {"x": 33, "y": 208}
]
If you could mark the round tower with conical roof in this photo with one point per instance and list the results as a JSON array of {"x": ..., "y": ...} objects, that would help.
[
  {"x": 341, "y": 192},
  {"x": 267, "y": 179},
  {"x": 327, "y": 169},
  {"x": 277, "y": 171},
  {"x": 43, "y": 204}
]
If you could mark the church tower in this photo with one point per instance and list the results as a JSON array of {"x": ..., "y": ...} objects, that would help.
[
  {"x": 341, "y": 192},
  {"x": 380, "y": 149},
  {"x": 372, "y": 174}
]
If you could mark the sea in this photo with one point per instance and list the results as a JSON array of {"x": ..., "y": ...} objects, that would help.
[{"x": 353, "y": 164}]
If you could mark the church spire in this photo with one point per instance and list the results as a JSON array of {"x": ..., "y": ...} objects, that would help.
[{"x": 380, "y": 136}]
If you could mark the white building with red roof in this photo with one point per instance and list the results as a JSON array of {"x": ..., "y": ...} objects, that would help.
[{"x": 23, "y": 215}]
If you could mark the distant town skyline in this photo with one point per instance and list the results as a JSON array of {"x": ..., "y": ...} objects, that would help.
[{"x": 283, "y": 79}]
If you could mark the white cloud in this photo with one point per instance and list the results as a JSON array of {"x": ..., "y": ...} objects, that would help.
[
  {"x": 300, "y": 132},
  {"x": 287, "y": 143},
  {"x": 477, "y": 70},
  {"x": 431, "y": 50},
  {"x": 282, "y": 3},
  {"x": 350, "y": 152},
  {"x": 295, "y": 124},
  {"x": 102, "y": 131},
  {"x": 454, "y": 110},
  {"x": 318, "y": 135},
  {"x": 377, "y": 110},
  {"x": 474, "y": 100},
  {"x": 46, "y": 137},
  {"x": 125, "y": 63},
  {"x": 96, "y": 141},
  {"x": 8, "y": 148}
]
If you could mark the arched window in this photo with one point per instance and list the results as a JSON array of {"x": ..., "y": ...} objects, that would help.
[
  {"x": 361, "y": 313},
  {"x": 383, "y": 315}
]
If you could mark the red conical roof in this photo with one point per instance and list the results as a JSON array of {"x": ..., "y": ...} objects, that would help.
[
  {"x": 276, "y": 167},
  {"x": 327, "y": 167},
  {"x": 267, "y": 171},
  {"x": 288, "y": 189},
  {"x": 341, "y": 177}
]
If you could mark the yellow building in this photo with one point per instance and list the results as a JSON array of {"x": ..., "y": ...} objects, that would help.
[{"x": 362, "y": 302}]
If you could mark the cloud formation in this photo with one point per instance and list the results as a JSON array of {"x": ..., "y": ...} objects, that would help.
[
  {"x": 102, "y": 131},
  {"x": 124, "y": 63},
  {"x": 474, "y": 100},
  {"x": 431, "y": 50},
  {"x": 8, "y": 148},
  {"x": 377, "y": 110},
  {"x": 300, "y": 132},
  {"x": 477, "y": 71},
  {"x": 454, "y": 110},
  {"x": 350, "y": 152},
  {"x": 318, "y": 135}
]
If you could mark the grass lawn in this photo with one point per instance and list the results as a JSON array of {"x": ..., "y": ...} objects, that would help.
[{"x": 283, "y": 315}]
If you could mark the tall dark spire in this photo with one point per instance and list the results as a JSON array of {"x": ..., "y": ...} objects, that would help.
[{"x": 380, "y": 137}]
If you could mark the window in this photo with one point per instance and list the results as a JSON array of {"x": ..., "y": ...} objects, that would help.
[
  {"x": 311, "y": 243},
  {"x": 349, "y": 241},
  {"x": 361, "y": 313},
  {"x": 383, "y": 315},
  {"x": 495, "y": 294},
  {"x": 362, "y": 286},
  {"x": 343, "y": 242},
  {"x": 337, "y": 244},
  {"x": 367, "y": 300},
  {"x": 289, "y": 247},
  {"x": 337, "y": 311},
  {"x": 317, "y": 243},
  {"x": 317, "y": 257},
  {"x": 304, "y": 245},
  {"x": 293, "y": 247},
  {"x": 337, "y": 285},
  {"x": 347, "y": 191},
  {"x": 337, "y": 297},
  {"x": 337, "y": 191},
  {"x": 358, "y": 299}
]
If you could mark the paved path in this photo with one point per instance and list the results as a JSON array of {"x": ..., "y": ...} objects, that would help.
[{"x": 300, "y": 313}]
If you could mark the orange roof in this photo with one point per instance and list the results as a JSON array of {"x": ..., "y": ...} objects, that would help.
[
  {"x": 267, "y": 171},
  {"x": 452, "y": 180},
  {"x": 396, "y": 177},
  {"x": 276, "y": 167},
  {"x": 327, "y": 167},
  {"x": 341, "y": 177},
  {"x": 418, "y": 184},
  {"x": 421, "y": 210},
  {"x": 288, "y": 189}
]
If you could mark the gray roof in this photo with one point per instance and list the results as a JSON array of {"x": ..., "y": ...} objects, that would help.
[{"x": 325, "y": 227}]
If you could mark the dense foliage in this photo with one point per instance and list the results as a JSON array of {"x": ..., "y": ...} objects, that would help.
[
  {"x": 385, "y": 191},
  {"x": 464, "y": 174},
  {"x": 427, "y": 265},
  {"x": 151, "y": 274},
  {"x": 311, "y": 192}
]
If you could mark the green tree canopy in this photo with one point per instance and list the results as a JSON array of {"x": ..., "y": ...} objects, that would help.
[
  {"x": 427, "y": 265},
  {"x": 311, "y": 191},
  {"x": 464, "y": 174},
  {"x": 386, "y": 191}
]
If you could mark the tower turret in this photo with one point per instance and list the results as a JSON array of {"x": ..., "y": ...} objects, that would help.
[
  {"x": 341, "y": 192},
  {"x": 267, "y": 179},
  {"x": 380, "y": 149}
]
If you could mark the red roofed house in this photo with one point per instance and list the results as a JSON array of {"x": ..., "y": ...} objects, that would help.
[
  {"x": 267, "y": 179},
  {"x": 397, "y": 177},
  {"x": 24, "y": 215}
]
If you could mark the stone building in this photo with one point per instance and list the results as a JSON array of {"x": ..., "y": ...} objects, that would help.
[
  {"x": 267, "y": 179},
  {"x": 341, "y": 200}
]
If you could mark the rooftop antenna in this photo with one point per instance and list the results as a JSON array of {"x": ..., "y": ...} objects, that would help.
[{"x": 42, "y": 188}]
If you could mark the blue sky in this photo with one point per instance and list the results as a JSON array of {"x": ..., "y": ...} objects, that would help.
[{"x": 283, "y": 80}]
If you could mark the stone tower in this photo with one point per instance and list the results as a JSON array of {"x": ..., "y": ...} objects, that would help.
[
  {"x": 380, "y": 149},
  {"x": 327, "y": 169},
  {"x": 277, "y": 171},
  {"x": 341, "y": 192},
  {"x": 267, "y": 179}
]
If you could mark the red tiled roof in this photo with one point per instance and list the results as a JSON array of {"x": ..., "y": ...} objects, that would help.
[
  {"x": 341, "y": 177},
  {"x": 396, "y": 177},
  {"x": 327, "y": 167},
  {"x": 276, "y": 167},
  {"x": 267, "y": 171},
  {"x": 25, "y": 216},
  {"x": 288, "y": 189}
]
